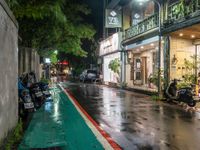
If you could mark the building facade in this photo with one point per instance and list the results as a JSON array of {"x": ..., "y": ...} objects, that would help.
[
  {"x": 110, "y": 50},
  {"x": 175, "y": 55},
  {"x": 181, "y": 28}
]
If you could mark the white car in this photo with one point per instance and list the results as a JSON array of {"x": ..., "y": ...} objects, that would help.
[{"x": 88, "y": 75}]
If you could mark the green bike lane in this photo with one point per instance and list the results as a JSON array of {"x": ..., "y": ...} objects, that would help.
[{"x": 60, "y": 124}]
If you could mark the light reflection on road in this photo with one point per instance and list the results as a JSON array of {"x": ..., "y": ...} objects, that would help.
[{"x": 136, "y": 122}]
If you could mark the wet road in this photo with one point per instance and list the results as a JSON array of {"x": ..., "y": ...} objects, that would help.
[{"x": 136, "y": 122}]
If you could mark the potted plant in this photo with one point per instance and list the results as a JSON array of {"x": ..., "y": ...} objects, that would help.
[
  {"x": 153, "y": 79},
  {"x": 123, "y": 85}
]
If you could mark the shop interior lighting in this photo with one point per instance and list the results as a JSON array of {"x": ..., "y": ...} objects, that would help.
[
  {"x": 142, "y": 47},
  {"x": 192, "y": 36},
  {"x": 142, "y": 0},
  {"x": 152, "y": 44},
  {"x": 140, "y": 3},
  {"x": 181, "y": 34}
]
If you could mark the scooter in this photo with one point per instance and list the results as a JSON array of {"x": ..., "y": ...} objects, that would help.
[
  {"x": 29, "y": 81},
  {"x": 26, "y": 104},
  {"x": 44, "y": 88},
  {"x": 181, "y": 95},
  {"x": 37, "y": 95}
]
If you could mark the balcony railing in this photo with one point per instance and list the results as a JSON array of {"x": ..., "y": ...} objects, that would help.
[
  {"x": 179, "y": 11},
  {"x": 143, "y": 26}
]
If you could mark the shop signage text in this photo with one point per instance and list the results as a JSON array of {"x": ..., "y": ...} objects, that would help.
[
  {"x": 111, "y": 44},
  {"x": 113, "y": 18}
]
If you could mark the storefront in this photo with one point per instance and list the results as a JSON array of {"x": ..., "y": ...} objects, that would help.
[
  {"x": 109, "y": 51},
  {"x": 185, "y": 54},
  {"x": 108, "y": 74},
  {"x": 142, "y": 63}
]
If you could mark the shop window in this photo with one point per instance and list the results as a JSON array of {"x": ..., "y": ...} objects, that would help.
[
  {"x": 138, "y": 63},
  {"x": 138, "y": 76},
  {"x": 149, "y": 10},
  {"x": 141, "y": 12},
  {"x": 137, "y": 69}
]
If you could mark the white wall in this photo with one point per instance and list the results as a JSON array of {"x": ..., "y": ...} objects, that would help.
[
  {"x": 108, "y": 74},
  {"x": 128, "y": 76}
]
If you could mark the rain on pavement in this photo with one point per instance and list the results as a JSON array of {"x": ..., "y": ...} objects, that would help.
[{"x": 134, "y": 121}]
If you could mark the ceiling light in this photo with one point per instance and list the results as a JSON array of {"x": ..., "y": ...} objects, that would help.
[
  {"x": 192, "y": 36},
  {"x": 152, "y": 44},
  {"x": 142, "y": 47},
  {"x": 181, "y": 34}
]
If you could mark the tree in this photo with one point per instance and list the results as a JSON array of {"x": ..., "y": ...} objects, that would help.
[
  {"x": 52, "y": 25},
  {"x": 114, "y": 65},
  {"x": 79, "y": 63}
]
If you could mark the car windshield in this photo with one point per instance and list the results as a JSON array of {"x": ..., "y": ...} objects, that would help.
[{"x": 91, "y": 71}]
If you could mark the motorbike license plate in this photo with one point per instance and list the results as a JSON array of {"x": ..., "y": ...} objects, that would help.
[
  {"x": 27, "y": 99},
  {"x": 38, "y": 94},
  {"x": 28, "y": 105},
  {"x": 46, "y": 92}
]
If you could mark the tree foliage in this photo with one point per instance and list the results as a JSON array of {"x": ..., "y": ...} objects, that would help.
[
  {"x": 81, "y": 63},
  {"x": 52, "y": 24},
  {"x": 114, "y": 65}
]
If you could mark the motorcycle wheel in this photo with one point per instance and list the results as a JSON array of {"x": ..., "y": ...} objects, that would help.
[{"x": 192, "y": 103}]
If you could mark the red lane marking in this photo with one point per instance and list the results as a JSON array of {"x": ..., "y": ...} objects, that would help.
[{"x": 114, "y": 145}]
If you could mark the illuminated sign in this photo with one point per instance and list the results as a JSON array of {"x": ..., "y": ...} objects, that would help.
[
  {"x": 47, "y": 60},
  {"x": 110, "y": 44},
  {"x": 63, "y": 62},
  {"x": 113, "y": 18}
]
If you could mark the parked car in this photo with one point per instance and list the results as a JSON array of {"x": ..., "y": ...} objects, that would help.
[{"x": 88, "y": 75}]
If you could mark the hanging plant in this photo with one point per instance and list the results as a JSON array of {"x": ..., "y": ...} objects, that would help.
[{"x": 180, "y": 9}]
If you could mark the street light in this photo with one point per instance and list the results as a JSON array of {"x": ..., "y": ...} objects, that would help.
[{"x": 159, "y": 42}]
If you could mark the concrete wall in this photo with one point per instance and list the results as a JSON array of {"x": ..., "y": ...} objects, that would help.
[
  {"x": 8, "y": 70},
  {"x": 29, "y": 60}
]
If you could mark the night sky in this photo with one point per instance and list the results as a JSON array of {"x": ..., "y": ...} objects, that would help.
[{"x": 96, "y": 16}]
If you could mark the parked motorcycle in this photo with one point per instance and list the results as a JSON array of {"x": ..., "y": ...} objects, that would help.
[
  {"x": 45, "y": 89},
  {"x": 29, "y": 80},
  {"x": 181, "y": 95},
  {"x": 37, "y": 95},
  {"x": 26, "y": 104}
]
